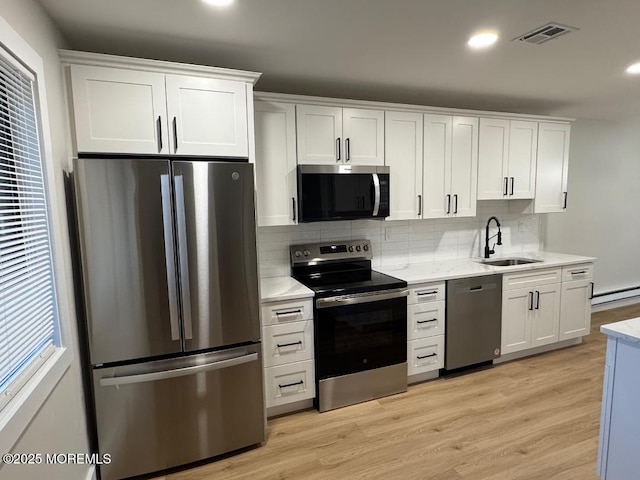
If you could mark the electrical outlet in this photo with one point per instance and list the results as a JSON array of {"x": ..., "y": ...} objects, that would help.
[{"x": 388, "y": 233}]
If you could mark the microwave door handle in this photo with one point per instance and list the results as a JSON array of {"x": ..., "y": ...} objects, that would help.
[{"x": 376, "y": 189}]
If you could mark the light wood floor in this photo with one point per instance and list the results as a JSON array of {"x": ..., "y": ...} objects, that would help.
[{"x": 536, "y": 418}]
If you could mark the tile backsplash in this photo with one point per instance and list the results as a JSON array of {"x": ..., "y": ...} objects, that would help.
[{"x": 409, "y": 241}]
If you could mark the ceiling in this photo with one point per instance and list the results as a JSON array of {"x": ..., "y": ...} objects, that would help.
[{"x": 409, "y": 51}]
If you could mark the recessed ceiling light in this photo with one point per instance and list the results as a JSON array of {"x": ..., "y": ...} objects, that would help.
[
  {"x": 634, "y": 69},
  {"x": 218, "y": 3},
  {"x": 483, "y": 40}
]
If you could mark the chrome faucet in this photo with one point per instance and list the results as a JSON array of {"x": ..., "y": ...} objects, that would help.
[{"x": 488, "y": 251}]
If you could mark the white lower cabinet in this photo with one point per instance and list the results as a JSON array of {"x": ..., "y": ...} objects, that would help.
[
  {"x": 287, "y": 343},
  {"x": 425, "y": 355},
  {"x": 425, "y": 320},
  {"x": 575, "y": 313},
  {"x": 289, "y": 383}
]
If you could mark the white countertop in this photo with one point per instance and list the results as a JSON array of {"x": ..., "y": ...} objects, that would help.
[
  {"x": 628, "y": 330},
  {"x": 282, "y": 288},
  {"x": 469, "y": 267},
  {"x": 286, "y": 288}
]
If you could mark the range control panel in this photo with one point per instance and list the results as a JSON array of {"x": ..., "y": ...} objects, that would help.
[{"x": 326, "y": 251}]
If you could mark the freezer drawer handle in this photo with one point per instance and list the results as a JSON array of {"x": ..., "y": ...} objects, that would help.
[
  {"x": 169, "y": 254},
  {"x": 427, "y": 321},
  {"x": 426, "y": 356},
  {"x": 282, "y": 345},
  {"x": 184, "y": 257},
  {"x": 179, "y": 372},
  {"x": 291, "y": 384}
]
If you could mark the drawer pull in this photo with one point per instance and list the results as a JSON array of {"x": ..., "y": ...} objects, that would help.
[
  {"x": 427, "y": 321},
  {"x": 290, "y": 312},
  {"x": 579, "y": 272},
  {"x": 282, "y": 345},
  {"x": 431, "y": 292},
  {"x": 426, "y": 356},
  {"x": 291, "y": 384}
]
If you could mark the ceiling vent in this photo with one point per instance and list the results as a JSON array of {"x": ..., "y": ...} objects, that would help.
[{"x": 545, "y": 33}]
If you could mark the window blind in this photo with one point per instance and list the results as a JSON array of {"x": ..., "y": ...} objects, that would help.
[{"x": 27, "y": 298}]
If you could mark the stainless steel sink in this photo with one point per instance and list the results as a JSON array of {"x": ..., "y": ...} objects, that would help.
[{"x": 508, "y": 262}]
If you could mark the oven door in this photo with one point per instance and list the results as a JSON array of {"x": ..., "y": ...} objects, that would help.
[
  {"x": 360, "y": 332},
  {"x": 331, "y": 193}
]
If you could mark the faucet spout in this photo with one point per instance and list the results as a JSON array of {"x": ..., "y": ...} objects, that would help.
[{"x": 488, "y": 251}]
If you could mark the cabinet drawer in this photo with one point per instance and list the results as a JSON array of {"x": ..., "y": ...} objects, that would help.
[
  {"x": 531, "y": 278},
  {"x": 287, "y": 343},
  {"x": 289, "y": 383},
  {"x": 425, "y": 355},
  {"x": 275, "y": 313},
  {"x": 426, "y": 292},
  {"x": 583, "y": 271},
  {"x": 425, "y": 320}
]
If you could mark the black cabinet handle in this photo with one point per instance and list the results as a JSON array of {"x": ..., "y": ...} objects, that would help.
[
  {"x": 427, "y": 321},
  {"x": 338, "y": 149},
  {"x": 282, "y": 345},
  {"x": 291, "y": 384},
  {"x": 506, "y": 186},
  {"x": 579, "y": 272},
  {"x": 289, "y": 312},
  {"x": 592, "y": 287},
  {"x": 455, "y": 203},
  {"x": 159, "y": 134},
  {"x": 430, "y": 292},
  {"x": 537, "y": 300},
  {"x": 175, "y": 134},
  {"x": 419, "y": 205},
  {"x": 564, "y": 203},
  {"x": 513, "y": 181},
  {"x": 426, "y": 356},
  {"x": 530, "y": 300},
  {"x": 448, "y": 204},
  {"x": 347, "y": 147},
  {"x": 293, "y": 202}
]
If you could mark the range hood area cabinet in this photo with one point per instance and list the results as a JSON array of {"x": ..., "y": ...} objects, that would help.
[
  {"x": 329, "y": 135},
  {"x": 133, "y": 106},
  {"x": 507, "y": 155}
]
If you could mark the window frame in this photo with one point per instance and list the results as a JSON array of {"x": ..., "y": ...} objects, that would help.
[{"x": 27, "y": 401}]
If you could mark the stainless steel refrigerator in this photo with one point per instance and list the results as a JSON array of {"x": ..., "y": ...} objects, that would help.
[{"x": 168, "y": 255}]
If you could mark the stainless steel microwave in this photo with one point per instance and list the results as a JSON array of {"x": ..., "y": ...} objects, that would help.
[{"x": 342, "y": 192}]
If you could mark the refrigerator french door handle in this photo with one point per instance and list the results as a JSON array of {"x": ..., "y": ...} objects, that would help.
[
  {"x": 184, "y": 257},
  {"x": 376, "y": 189},
  {"x": 170, "y": 255},
  {"x": 178, "y": 372}
]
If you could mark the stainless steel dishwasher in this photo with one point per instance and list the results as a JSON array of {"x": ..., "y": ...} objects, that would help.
[{"x": 473, "y": 321}]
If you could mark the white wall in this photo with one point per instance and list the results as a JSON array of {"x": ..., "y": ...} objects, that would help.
[
  {"x": 413, "y": 241},
  {"x": 60, "y": 425},
  {"x": 603, "y": 214}
]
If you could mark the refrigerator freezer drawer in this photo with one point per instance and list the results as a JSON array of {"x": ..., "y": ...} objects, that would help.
[{"x": 163, "y": 414}]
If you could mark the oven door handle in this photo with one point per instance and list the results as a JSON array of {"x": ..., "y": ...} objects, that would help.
[
  {"x": 376, "y": 190},
  {"x": 360, "y": 298}
]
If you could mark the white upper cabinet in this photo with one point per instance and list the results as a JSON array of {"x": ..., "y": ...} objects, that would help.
[
  {"x": 332, "y": 135},
  {"x": 403, "y": 156},
  {"x": 552, "y": 167},
  {"x": 507, "y": 159},
  {"x": 275, "y": 134},
  {"x": 450, "y": 166},
  {"x": 207, "y": 116},
  {"x": 363, "y": 136},
  {"x": 119, "y": 111}
]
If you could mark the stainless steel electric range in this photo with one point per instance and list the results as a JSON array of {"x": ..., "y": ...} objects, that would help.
[{"x": 360, "y": 323}]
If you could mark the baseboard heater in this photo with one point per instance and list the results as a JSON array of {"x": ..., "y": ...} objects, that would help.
[{"x": 615, "y": 295}]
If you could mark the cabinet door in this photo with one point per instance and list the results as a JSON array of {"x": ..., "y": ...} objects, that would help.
[
  {"x": 552, "y": 167},
  {"x": 275, "y": 131},
  {"x": 464, "y": 166},
  {"x": 208, "y": 116},
  {"x": 363, "y": 136},
  {"x": 546, "y": 315},
  {"x": 436, "y": 174},
  {"x": 516, "y": 320},
  {"x": 403, "y": 155},
  {"x": 523, "y": 151},
  {"x": 575, "y": 313},
  {"x": 119, "y": 111},
  {"x": 493, "y": 158},
  {"x": 319, "y": 135}
]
